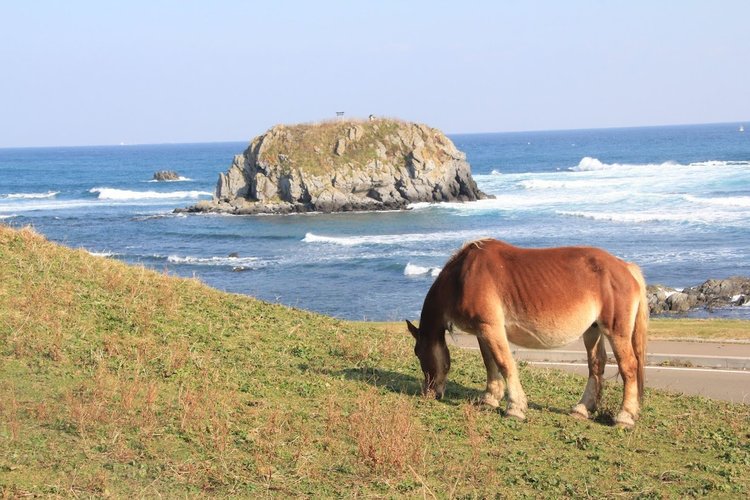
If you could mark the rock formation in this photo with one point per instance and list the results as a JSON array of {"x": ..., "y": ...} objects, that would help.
[
  {"x": 712, "y": 294},
  {"x": 166, "y": 175},
  {"x": 343, "y": 165}
]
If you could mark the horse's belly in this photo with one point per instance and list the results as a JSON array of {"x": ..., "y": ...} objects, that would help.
[{"x": 534, "y": 336}]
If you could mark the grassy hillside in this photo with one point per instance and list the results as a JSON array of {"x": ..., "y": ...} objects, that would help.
[{"x": 116, "y": 380}]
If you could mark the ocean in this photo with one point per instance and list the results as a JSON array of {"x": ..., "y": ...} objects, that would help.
[{"x": 675, "y": 200}]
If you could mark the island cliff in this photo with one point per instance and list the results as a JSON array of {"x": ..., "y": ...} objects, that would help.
[{"x": 336, "y": 166}]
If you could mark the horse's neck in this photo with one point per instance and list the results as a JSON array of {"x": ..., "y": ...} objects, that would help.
[{"x": 431, "y": 322}]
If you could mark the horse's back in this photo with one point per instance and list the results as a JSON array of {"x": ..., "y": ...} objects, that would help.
[{"x": 544, "y": 297}]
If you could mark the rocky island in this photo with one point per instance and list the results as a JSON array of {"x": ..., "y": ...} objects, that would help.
[{"x": 378, "y": 164}]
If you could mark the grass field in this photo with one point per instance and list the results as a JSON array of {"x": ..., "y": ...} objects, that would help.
[{"x": 116, "y": 380}]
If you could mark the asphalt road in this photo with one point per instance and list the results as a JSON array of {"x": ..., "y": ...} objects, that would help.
[{"x": 718, "y": 370}]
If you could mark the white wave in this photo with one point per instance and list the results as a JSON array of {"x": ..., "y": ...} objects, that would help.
[
  {"x": 590, "y": 164},
  {"x": 720, "y": 163},
  {"x": 533, "y": 184},
  {"x": 392, "y": 239},
  {"x": 727, "y": 201},
  {"x": 125, "y": 195},
  {"x": 179, "y": 179},
  {"x": 10, "y": 216},
  {"x": 162, "y": 215},
  {"x": 101, "y": 254},
  {"x": 415, "y": 270},
  {"x": 30, "y": 196},
  {"x": 659, "y": 215},
  {"x": 495, "y": 172},
  {"x": 213, "y": 261}
]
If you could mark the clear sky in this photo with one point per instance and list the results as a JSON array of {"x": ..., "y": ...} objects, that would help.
[{"x": 105, "y": 72}]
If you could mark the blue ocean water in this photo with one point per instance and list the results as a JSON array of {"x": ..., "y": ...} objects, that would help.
[{"x": 675, "y": 200}]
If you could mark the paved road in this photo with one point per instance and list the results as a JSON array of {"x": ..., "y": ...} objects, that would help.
[{"x": 719, "y": 370}]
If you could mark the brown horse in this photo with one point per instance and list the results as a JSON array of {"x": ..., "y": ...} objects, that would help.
[{"x": 537, "y": 298}]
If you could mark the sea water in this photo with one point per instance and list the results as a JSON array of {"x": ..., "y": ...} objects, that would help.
[{"x": 675, "y": 200}]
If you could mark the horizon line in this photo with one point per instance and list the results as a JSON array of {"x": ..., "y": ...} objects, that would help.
[{"x": 527, "y": 131}]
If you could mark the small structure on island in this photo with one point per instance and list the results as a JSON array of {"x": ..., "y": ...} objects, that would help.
[{"x": 343, "y": 165}]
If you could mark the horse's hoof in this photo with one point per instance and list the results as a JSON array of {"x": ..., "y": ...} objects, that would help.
[
  {"x": 624, "y": 420},
  {"x": 580, "y": 412},
  {"x": 515, "y": 414},
  {"x": 489, "y": 400}
]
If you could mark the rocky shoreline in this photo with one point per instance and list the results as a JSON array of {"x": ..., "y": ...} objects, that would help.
[
  {"x": 711, "y": 294},
  {"x": 379, "y": 164}
]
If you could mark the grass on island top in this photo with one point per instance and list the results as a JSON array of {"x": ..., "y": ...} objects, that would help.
[
  {"x": 117, "y": 380},
  {"x": 311, "y": 146}
]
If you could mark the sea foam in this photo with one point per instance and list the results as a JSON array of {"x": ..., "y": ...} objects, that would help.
[
  {"x": 179, "y": 179},
  {"x": 30, "y": 196},
  {"x": 101, "y": 254},
  {"x": 415, "y": 270},
  {"x": 126, "y": 195},
  {"x": 213, "y": 261},
  {"x": 391, "y": 239},
  {"x": 726, "y": 201}
]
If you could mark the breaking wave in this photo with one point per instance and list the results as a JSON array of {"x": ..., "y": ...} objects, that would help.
[
  {"x": 30, "y": 196},
  {"x": 214, "y": 261},
  {"x": 590, "y": 164},
  {"x": 391, "y": 239},
  {"x": 126, "y": 195},
  {"x": 727, "y": 201},
  {"x": 179, "y": 179},
  {"x": 415, "y": 270},
  {"x": 101, "y": 254}
]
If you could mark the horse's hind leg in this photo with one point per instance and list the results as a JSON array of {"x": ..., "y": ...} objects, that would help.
[
  {"x": 497, "y": 345},
  {"x": 628, "y": 365},
  {"x": 495, "y": 390},
  {"x": 597, "y": 359}
]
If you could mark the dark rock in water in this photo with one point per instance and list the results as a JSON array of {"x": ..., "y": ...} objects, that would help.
[
  {"x": 713, "y": 293},
  {"x": 343, "y": 166},
  {"x": 233, "y": 255},
  {"x": 166, "y": 175}
]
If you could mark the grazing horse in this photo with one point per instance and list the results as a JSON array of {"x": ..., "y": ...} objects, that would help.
[{"x": 537, "y": 298}]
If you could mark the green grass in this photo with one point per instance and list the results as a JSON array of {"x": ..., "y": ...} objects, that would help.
[
  {"x": 116, "y": 380},
  {"x": 699, "y": 329}
]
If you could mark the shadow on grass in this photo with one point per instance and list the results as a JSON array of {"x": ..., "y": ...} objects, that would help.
[
  {"x": 455, "y": 394},
  {"x": 406, "y": 384}
]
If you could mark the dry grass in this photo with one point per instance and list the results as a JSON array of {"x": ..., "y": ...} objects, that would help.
[{"x": 388, "y": 435}]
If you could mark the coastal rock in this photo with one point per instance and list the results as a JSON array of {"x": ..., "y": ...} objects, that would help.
[
  {"x": 166, "y": 175},
  {"x": 341, "y": 166},
  {"x": 712, "y": 294}
]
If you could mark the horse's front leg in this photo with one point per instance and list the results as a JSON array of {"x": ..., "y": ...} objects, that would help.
[
  {"x": 493, "y": 334},
  {"x": 597, "y": 360},
  {"x": 495, "y": 390}
]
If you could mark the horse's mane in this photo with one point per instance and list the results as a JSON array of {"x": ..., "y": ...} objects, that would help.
[{"x": 478, "y": 243}]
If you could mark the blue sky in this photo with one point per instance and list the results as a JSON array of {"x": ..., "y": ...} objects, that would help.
[{"x": 93, "y": 72}]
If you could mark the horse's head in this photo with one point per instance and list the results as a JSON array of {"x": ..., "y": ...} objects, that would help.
[{"x": 434, "y": 358}]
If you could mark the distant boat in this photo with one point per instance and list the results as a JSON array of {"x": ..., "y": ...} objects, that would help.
[{"x": 742, "y": 128}]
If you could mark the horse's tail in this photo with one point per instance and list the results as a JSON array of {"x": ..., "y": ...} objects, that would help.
[{"x": 640, "y": 331}]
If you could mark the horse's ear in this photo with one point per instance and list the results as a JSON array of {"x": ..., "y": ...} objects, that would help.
[{"x": 413, "y": 329}]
